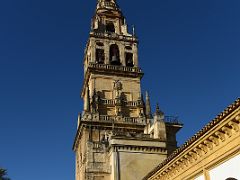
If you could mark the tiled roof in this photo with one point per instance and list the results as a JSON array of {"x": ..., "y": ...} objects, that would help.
[{"x": 200, "y": 133}]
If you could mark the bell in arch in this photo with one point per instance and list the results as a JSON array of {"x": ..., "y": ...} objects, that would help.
[
  {"x": 114, "y": 58},
  {"x": 114, "y": 54}
]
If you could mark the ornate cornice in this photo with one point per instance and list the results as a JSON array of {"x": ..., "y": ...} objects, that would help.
[
  {"x": 108, "y": 69},
  {"x": 217, "y": 131}
]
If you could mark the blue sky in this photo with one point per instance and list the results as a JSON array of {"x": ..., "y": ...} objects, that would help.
[{"x": 189, "y": 51}]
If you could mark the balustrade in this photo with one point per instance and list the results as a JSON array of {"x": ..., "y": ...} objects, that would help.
[
  {"x": 112, "y": 67},
  {"x": 113, "y": 36}
]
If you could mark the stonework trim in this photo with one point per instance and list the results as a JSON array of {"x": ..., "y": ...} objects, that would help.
[{"x": 190, "y": 153}]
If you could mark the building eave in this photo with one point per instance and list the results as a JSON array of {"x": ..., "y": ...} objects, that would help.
[{"x": 206, "y": 129}]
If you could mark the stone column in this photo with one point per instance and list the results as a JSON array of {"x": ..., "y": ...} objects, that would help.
[
  {"x": 135, "y": 55},
  {"x": 122, "y": 54}
]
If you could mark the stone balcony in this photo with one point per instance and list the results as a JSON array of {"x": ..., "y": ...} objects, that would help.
[
  {"x": 113, "y": 102},
  {"x": 172, "y": 120},
  {"x": 113, "y": 36},
  {"x": 107, "y": 5},
  {"x": 89, "y": 117},
  {"x": 115, "y": 68}
]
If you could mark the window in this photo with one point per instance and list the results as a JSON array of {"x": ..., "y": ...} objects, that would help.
[
  {"x": 129, "y": 59},
  {"x": 114, "y": 55},
  {"x": 110, "y": 27}
]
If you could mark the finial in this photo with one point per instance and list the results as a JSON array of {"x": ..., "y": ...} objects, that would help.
[
  {"x": 147, "y": 95},
  {"x": 133, "y": 30},
  {"x": 158, "y": 111}
]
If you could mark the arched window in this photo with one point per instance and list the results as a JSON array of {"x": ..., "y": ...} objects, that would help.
[
  {"x": 128, "y": 47},
  {"x": 110, "y": 28},
  {"x": 114, "y": 55},
  {"x": 129, "y": 59}
]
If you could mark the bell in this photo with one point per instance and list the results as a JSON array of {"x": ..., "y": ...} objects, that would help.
[
  {"x": 129, "y": 61},
  {"x": 114, "y": 58},
  {"x": 100, "y": 60}
]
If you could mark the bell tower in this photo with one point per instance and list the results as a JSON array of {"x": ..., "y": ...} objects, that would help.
[
  {"x": 112, "y": 75},
  {"x": 117, "y": 135}
]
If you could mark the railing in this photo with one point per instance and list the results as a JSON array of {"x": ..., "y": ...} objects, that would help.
[
  {"x": 112, "y": 67},
  {"x": 106, "y": 118},
  {"x": 134, "y": 103},
  {"x": 172, "y": 119},
  {"x": 127, "y": 103},
  {"x": 108, "y": 102},
  {"x": 131, "y": 120},
  {"x": 113, "y": 36},
  {"x": 108, "y": 4},
  {"x": 97, "y": 145}
]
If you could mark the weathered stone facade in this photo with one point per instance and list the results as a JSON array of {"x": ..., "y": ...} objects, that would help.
[{"x": 118, "y": 138}]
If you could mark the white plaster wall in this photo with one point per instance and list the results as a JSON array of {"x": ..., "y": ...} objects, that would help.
[
  {"x": 230, "y": 168},
  {"x": 200, "y": 178}
]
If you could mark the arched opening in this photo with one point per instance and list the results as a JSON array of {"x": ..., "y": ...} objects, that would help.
[
  {"x": 128, "y": 47},
  {"x": 114, "y": 55},
  {"x": 129, "y": 59},
  {"x": 100, "y": 56},
  {"x": 110, "y": 28}
]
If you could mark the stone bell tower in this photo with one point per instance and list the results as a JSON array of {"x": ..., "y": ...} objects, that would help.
[{"x": 117, "y": 136}]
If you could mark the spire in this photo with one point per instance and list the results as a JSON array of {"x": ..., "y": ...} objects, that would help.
[{"x": 148, "y": 106}]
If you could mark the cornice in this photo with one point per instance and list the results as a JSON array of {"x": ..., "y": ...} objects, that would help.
[
  {"x": 107, "y": 69},
  {"x": 210, "y": 136}
]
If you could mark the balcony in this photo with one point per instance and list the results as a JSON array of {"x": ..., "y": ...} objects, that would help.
[
  {"x": 128, "y": 120},
  {"x": 115, "y": 68},
  {"x": 126, "y": 103},
  {"x": 113, "y": 36},
  {"x": 172, "y": 120},
  {"x": 107, "y": 5}
]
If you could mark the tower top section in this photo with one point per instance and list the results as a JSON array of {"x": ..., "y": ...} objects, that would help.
[
  {"x": 108, "y": 19},
  {"x": 107, "y": 5}
]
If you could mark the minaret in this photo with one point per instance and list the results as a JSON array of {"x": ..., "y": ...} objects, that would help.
[{"x": 110, "y": 142}]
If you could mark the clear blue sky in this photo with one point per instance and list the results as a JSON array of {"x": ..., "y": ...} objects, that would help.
[{"x": 189, "y": 51}]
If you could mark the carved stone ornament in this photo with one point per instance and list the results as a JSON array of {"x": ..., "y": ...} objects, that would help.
[{"x": 117, "y": 85}]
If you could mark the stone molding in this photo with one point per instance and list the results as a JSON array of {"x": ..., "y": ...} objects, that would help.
[{"x": 214, "y": 135}]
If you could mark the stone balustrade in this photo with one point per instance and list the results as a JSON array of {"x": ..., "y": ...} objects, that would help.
[
  {"x": 126, "y": 103},
  {"x": 113, "y": 36},
  {"x": 115, "y": 68}
]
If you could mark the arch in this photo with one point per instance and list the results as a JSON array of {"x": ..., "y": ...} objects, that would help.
[
  {"x": 100, "y": 57},
  {"x": 128, "y": 47},
  {"x": 129, "y": 59},
  {"x": 114, "y": 55},
  {"x": 99, "y": 43},
  {"x": 110, "y": 28}
]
